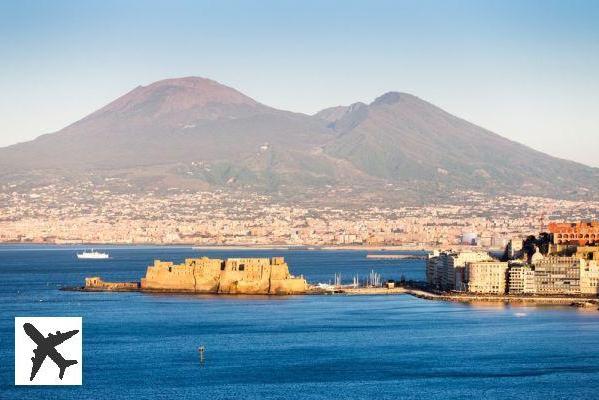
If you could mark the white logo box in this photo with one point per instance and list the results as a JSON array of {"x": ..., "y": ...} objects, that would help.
[{"x": 70, "y": 350}]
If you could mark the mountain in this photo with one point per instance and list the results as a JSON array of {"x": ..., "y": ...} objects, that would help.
[
  {"x": 196, "y": 133},
  {"x": 400, "y": 137},
  {"x": 189, "y": 131},
  {"x": 170, "y": 121}
]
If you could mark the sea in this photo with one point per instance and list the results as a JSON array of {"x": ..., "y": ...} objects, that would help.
[{"x": 145, "y": 346}]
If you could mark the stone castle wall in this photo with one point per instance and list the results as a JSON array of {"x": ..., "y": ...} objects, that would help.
[
  {"x": 234, "y": 276},
  {"x": 96, "y": 283}
]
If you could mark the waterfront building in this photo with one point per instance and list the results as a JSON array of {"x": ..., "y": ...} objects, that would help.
[
  {"x": 433, "y": 270},
  {"x": 455, "y": 268},
  {"x": 446, "y": 269},
  {"x": 521, "y": 279},
  {"x": 589, "y": 277},
  {"x": 557, "y": 275},
  {"x": 488, "y": 277}
]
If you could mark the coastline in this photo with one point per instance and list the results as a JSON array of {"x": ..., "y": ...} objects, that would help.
[
  {"x": 227, "y": 246},
  {"x": 577, "y": 301},
  {"x": 245, "y": 247},
  {"x": 473, "y": 298}
]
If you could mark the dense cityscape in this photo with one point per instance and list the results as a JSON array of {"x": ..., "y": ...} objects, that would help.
[
  {"x": 562, "y": 261},
  {"x": 88, "y": 214}
]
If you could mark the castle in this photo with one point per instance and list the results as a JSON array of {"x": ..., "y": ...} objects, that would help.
[{"x": 210, "y": 275}]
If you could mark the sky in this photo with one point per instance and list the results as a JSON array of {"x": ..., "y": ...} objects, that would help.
[{"x": 528, "y": 70}]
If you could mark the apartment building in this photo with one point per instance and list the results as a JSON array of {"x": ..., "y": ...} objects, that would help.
[
  {"x": 446, "y": 270},
  {"x": 557, "y": 275},
  {"x": 589, "y": 277},
  {"x": 521, "y": 279},
  {"x": 488, "y": 277}
]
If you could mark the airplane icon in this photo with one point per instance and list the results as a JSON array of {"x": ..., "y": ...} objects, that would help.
[{"x": 46, "y": 347}]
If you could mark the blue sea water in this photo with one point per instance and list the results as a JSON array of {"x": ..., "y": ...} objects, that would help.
[{"x": 144, "y": 346}]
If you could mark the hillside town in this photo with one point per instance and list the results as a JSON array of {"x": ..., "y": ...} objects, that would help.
[
  {"x": 562, "y": 261},
  {"x": 91, "y": 214}
]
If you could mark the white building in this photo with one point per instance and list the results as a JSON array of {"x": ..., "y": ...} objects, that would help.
[
  {"x": 487, "y": 277},
  {"x": 589, "y": 277},
  {"x": 446, "y": 270},
  {"x": 521, "y": 280}
]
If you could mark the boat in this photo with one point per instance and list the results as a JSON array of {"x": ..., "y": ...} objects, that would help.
[{"x": 92, "y": 255}]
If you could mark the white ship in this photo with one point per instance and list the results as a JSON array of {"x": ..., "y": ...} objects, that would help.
[{"x": 92, "y": 255}]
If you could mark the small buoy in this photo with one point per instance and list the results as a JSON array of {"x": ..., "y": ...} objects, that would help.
[{"x": 201, "y": 350}]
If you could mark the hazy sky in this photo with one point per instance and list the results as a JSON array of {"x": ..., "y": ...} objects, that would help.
[{"x": 528, "y": 70}]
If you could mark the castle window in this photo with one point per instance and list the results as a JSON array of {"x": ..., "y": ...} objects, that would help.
[
  {"x": 241, "y": 267},
  {"x": 222, "y": 267}
]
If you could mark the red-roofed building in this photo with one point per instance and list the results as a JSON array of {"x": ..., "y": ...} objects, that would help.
[{"x": 581, "y": 233}]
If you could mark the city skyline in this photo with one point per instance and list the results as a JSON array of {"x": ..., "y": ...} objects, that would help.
[{"x": 524, "y": 70}]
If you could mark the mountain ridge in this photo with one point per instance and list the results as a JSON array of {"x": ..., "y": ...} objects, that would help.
[{"x": 202, "y": 134}]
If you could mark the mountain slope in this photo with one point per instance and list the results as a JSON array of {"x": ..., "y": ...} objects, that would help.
[
  {"x": 175, "y": 120},
  {"x": 400, "y": 138},
  {"x": 196, "y": 133}
]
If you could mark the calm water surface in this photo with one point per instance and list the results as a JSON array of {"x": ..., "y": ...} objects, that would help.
[{"x": 299, "y": 347}]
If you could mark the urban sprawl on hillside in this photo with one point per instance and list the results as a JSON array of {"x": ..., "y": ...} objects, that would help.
[{"x": 88, "y": 214}]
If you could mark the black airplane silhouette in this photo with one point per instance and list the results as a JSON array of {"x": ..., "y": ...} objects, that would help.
[{"x": 46, "y": 347}]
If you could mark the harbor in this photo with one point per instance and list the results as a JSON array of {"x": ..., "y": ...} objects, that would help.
[{"x": 535, "y": 271}]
